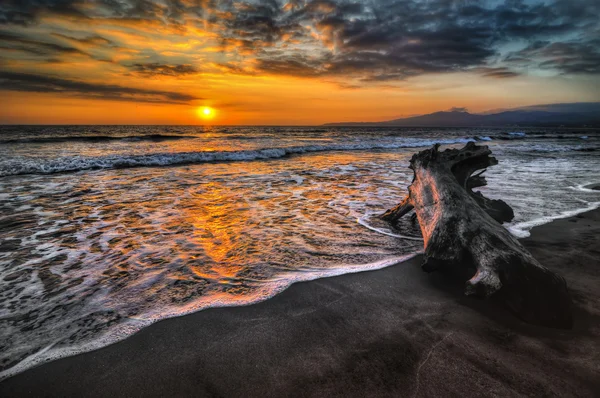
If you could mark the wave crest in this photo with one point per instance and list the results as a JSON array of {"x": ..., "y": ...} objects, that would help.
[{"x": 78, "y": 163}]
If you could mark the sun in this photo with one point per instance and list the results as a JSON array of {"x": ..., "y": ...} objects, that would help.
[{"x": 206, "y": 112}]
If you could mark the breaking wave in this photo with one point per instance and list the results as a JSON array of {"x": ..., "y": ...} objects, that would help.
[
  {"x": 77, "y": 163},
  {"x": 132, "y": 325}
]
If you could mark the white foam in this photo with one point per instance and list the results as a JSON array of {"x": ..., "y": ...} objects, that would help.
[
  {"x": 522, "y": 229},
  {"x": 517, "y": 134},
  {"x": 584, "y": 187},
  {"x": 48, "y": 354},
  {"x": 134, "y": 325},
  {"x": 77, "y": 163},
  {"x": 362, "y": 221}
]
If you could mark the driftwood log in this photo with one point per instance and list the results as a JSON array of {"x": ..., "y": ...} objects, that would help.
[{"x": 462, "y": 233}]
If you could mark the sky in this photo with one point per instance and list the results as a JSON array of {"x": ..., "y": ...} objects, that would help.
[{"x": 289, "y": 62}]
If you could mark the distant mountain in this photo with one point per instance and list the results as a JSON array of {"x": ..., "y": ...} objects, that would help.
[
  {"x": 571, "y": 115},
  {"x": 570, "y": 107}
]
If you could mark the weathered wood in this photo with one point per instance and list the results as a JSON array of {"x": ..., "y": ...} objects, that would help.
[{"x": 461, "y": 231}]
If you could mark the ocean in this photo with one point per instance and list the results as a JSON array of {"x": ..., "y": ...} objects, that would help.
[{"x": 107, "y": 229}]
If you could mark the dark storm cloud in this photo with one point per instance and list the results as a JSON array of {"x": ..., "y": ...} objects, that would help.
[
  {"x": 24, "y": 12},
  {"x": 371, "y": 41},
  {"x": 391, "y": 40},
  {"x": 46, "y": 84},
  {"x": 256, "y": 21},
  {"x": 378, "y": 44},
  {"x": 153, "y": 69}
]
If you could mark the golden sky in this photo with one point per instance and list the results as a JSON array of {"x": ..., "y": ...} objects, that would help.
[{"x": 289, "y": 62}]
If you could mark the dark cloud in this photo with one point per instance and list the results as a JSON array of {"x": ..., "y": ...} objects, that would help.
[
  {"x": 13, "y": 42},
  {"x": 93, "y": 40},
  {"x": 458, "y": 109},
  {"x": 48, "y": 84},
  {"x": 24, "y": 12},
  {"x": 498, "y": 73},
  {"x": 565, "y": 57},
  {"x": 396, "y": 39},
  {"x": 256, "y": 21},
  {"x": 296, "y": 64},
  {"x": 154, "y": 69},
  {"x": 366, "y": 41}
]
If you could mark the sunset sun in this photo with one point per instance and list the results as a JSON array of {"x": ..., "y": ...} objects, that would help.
[
  {"x": 184, "y": 185},
  {"x": 206, "y": 112}
]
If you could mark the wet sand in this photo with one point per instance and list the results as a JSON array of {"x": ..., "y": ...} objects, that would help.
[{"x": 392, "y": 332}]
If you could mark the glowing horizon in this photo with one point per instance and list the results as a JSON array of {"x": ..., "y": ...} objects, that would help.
[{"x": 289, "y": 62}]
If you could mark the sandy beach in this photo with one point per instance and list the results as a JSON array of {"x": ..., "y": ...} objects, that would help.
[
  {"x": 212, "y": 198},
  {"x": 392, "y": 332}
]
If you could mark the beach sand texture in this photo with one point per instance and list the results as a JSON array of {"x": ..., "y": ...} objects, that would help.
[{"x": 392, "y": 332}]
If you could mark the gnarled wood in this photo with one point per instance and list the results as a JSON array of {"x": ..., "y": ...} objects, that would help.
[{"x": 461, "y": 230}]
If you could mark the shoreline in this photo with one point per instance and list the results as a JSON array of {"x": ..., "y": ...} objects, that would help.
[{"x": 393, "y": 331}]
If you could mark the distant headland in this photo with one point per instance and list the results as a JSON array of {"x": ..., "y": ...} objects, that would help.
[{"x": 578, "y": 114}]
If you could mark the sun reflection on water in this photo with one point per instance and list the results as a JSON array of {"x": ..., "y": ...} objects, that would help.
[{"x": 94, "y": 253}]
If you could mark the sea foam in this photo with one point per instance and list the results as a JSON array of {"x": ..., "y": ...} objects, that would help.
[
  {"x": 78, "y": 163},
  {"x": 132, "y": 325}
]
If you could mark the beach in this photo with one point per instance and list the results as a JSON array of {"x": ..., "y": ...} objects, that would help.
[
  {"x": 392, "y": 332},
  {"x": 109, "y": 229},
  {"x": 241, "y": 199}
]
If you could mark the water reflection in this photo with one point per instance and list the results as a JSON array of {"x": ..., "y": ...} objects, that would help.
[{"x": 89, "y": 258}]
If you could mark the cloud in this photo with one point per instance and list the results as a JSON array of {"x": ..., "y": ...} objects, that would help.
[
  {"x": 458, "y": 109},
  {"x": 92, "y": 40},
  {"x": 564, "y": 57},
  {"x": 498, "y": 73},
  {"x": 352, "y": 42},
  {"x": 25, "y": 12},
  {"x": 398, "y": 39},
  {"x": 49, "y": 84},
  {"x": 154, "y": 69},
  {"x": 13, "y": 42}
]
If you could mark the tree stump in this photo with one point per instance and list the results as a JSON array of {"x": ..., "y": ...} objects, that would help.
[{"x": 462, "y": 231}]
